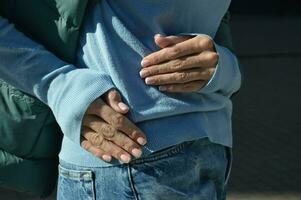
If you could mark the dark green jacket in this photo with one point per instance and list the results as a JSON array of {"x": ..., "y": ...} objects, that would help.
[{"x": 30, "y": 137}]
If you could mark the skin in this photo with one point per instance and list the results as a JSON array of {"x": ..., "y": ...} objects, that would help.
[
  {"x": 107, "y": 133},
  {"x": 183, "y": 64}
]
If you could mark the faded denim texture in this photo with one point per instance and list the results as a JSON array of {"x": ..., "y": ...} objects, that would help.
[{"x": 195, "y": 170}]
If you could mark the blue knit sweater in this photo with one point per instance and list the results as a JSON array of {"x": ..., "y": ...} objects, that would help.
[{"x": 116, "y": 36}]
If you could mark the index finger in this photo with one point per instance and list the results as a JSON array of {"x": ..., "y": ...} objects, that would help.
[
  {"x": 194, "y": 45},
  {"x": 117, "y": 120}
]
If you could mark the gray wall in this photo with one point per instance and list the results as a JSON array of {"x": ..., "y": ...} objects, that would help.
[
  {"x": 266, "y": 7},
  {"x": 267, "y": 111}
]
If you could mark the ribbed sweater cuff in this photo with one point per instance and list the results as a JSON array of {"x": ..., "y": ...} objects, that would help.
[
  {"x": 226, "y": 78},
  {"x": 70, "y": 100}
]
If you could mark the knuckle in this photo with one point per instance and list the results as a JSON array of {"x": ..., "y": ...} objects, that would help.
[
  {"x": 209, "y": 57},
  {"x": 118, "y": 121},
  {"x": 97, "y": 139},
  {"x": 155, "y": 58},
  {"x": 127, "y": 144},
  {"x": 108, "y": 131},
  {"x": 85, "y": 144},
  {"x": 175, "y": 51},
  {"x": 176, "y": 77},
  {"x": 182, "y": 77},
  {"x": 200, "y": 44},
  {"x": 112, "y": 94},
  {"x": 156, "y": 71},
  {"x": 177, "y": 64},
  {"x": 211, "y": 71},
  {"x": 213, "y": 57},
  {"x": 206, "y": 43},
  {"x": 134, "y": 134}
]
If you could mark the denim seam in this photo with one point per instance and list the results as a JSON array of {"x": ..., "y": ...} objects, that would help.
[
  {"x": 130, "y": 176},
  {"x": 75, "y": 174},
  {"x": 164, "y": 154},
  {"x": 93, "y": 188},
  {"x": 229, "y": 156},
  {"x": 90, "y": 168}
]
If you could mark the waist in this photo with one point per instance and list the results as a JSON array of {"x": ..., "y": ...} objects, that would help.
[{"x": 162, "y": 133}]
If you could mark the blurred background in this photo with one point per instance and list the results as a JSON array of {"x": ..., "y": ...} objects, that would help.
[{"x": 267, "y": 111}]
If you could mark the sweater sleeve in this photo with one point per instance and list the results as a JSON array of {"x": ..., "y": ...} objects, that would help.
[
  {"x": 226, "y": 79},
  {"x": 67, "y": 90}
]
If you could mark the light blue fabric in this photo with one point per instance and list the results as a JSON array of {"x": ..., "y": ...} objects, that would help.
[
  {"x": 116, "y": 36},
  {"x": 30, "y": 68},
  {"x": 194, "y": 170}
]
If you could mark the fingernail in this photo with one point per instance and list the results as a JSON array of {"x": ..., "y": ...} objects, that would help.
[
  {"x": 136, "y": 152},
  {"x": 145, "y": 62},
  {"x": 84, "y": 145},
  {"x": 123, "y": 106},
  {"x": 162, "y": 88},
  {"x": 141, "y": 141},
  {"x": 107, "y": 158},
  {"x": 143, "y": 73},
  {"x": 125, "y": 158},
  {"x": 149, "y": 81},
  {"x": 158, "y": 35}
]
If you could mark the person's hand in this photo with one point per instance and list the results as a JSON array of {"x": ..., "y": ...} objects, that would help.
[
  {"x": 107, "y": 133},
  {"x": 184, "y": 63}
]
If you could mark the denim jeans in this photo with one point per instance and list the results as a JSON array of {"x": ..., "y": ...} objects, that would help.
[{"x": 190, "y": 170}]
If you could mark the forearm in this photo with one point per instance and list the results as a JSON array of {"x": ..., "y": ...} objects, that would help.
[{"x": 67, "y": 90}]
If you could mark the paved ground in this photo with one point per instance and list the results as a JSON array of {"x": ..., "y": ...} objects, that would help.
[{"x": 267, "y": 122}]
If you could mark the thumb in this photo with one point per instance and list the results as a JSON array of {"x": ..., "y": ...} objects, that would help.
[
  {"x": 166, "y": 41},
  {"x": 113, "y": 99}
]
